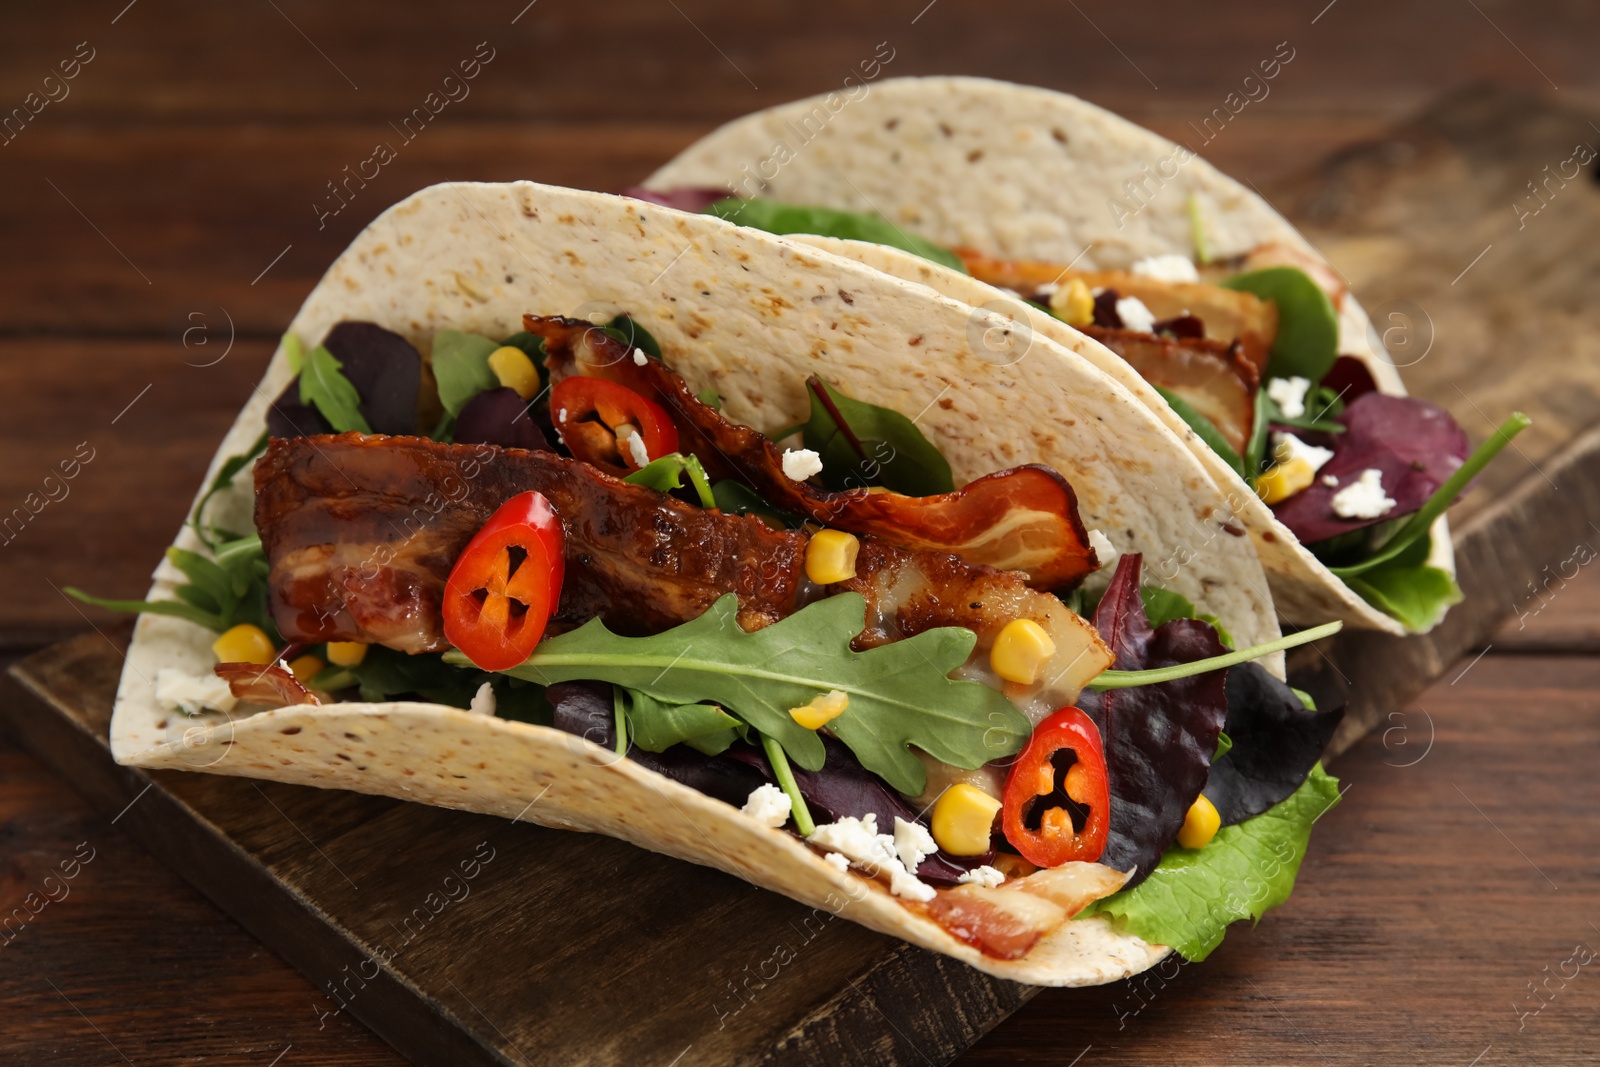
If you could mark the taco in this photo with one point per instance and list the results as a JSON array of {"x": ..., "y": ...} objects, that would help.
[
  {"x": 1171, "y": 278},
  {"x": 571, "y": 508}
]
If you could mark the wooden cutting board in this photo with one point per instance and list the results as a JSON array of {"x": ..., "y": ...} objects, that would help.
[{"x": 464, "y": 939}]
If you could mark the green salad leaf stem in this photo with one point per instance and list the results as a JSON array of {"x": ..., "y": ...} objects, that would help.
[
  {"x": 1156, "y": 675},
  {"x": 785, "y": 775}
]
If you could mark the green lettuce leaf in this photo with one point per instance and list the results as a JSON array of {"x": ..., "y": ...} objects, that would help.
[
  {"x": 461, "y": 367},
  {"x": 1163, "y": 605},
  {"x": 323, "y": 385},
  {"x": 1194, "y": 894},
  {"x": 656, "y": 726},
  {"x": 1406, "y": 588},
  {"x": 780, "y": 218},
  {"x": 900, "y": 693},
  {"x": 225, "y": 476},
  {"x": 1308, "y": 328},
  {"x": 667, "y": 473},
  {"x": 629, "y": 332}
]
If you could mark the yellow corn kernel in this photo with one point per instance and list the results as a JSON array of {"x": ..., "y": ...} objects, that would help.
[
  {"x": 1200, "y": 824},
  {"x": 346, "y": 653},
  {"x": 245, "y": 643},
  {"x": 1285, "y": 480},
  {"x": 306, "y": 667},
  {"x": 831, "y": 556},
  {"x": 1073, "y": 304},
  {"x": 1020, "y": 650},
  {"x": 963, "y": 818},
  {"x": 821, "y": 711},
  {"x": 515, "y": 370}
]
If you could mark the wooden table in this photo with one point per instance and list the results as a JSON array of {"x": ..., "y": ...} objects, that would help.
[{"x": 163, "y": 223}]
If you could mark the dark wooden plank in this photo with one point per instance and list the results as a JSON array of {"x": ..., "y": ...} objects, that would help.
[
  {"x": 159, "y": 974},
  {"x": 428, "y": 924}
]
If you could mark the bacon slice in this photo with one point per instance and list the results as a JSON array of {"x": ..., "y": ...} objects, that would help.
[
  {"x": 361, "y": 532},
  {"x": 1023, "y": 519},
  {"x": 1213, "y": 377},
  {"x": 1229, "y": 315},
  {"x": 273, "y": 685},
  {"x": 1006, "y": 922}
]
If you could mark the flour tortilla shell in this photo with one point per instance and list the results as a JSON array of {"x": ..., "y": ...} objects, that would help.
[
  {"x": 1027, "y": 173},
  {"x": 749, "y": 315}
]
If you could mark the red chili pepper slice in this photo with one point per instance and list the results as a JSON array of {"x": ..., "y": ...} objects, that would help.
[
  {"x": 505, "y": 584},
  {"x": 589, "y": 412},
  {"x": 1056, "y": 805}
]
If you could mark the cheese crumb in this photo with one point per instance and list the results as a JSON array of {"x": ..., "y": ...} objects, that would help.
[
  {"x": 1134, "y": 315},
  {"x": 1104, "y": 550},
  {"x": 768, "y": 805},
  {"x": 1290, "y": 395},
  {"x": 801, "y": 463},
  {"x": 1330, "y": 480},
  {"x": 860, "y": 842},
  {"x": 639, "y": 358},
  {"x": 1173, "y": 267},
  {"x": 1363, "y": 498},
  {"x": 1286, "y": 448},
  {"x": 189, "y": 694},
  {"x": 912, "y": 843},
  {"x": 838, "y": 860},
  {"x": 633, "y": 440},
  {"x": 984, "y": 876},
  {"x": 483, "y": 700}
]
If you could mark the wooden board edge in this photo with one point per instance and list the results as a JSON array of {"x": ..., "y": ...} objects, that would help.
[
  {"x": 1498, "y": 551},
  {"x": 188, "y": 844}
]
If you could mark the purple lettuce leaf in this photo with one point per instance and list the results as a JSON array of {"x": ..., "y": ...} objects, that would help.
[{"x": 499, "y": 417}]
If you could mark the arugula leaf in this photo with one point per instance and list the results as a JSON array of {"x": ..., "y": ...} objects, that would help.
[
  {"x": 893, "y": 452},
  {"x": 1247, "y": 869},
  {"x": 1163, "y": 605},
  {"x": 1416, "y": 527},
  {"x": 1406, "y": 588},
  {"x": 323, "y": 385},
  {"x": 656, "y": 726},
  {"x": 900, "y": 693},
  {"x": 220, "y": 593},
  {"x": 667, "y": 473},
  {"x": 625, "y": 329},
  {"x": 224, "y": 478},
  {"x": 1157, "y": 675},
  {"x": 1308, "y": 328},
  {"x": 780, "y": 218},
  {"x": 1205, "y": 429},
  {"x": 461, "y": 367},
  {"x": 294, "y": 352}
]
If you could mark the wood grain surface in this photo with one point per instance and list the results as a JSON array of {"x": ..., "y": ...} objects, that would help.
[{"x": 169, "y": 200}]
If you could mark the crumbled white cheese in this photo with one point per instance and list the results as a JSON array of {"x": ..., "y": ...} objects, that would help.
[
  {"x": 189, "y": 694},
  {"x": 1363, "y": 498},
  {"x": 768, "y": 805},
  {"x": 639, "y": 358},
  {"x": 1173, "y": 267},
  {"x": 1134, "y": 315},
  {"x": 1330, "y": 480},
  {"x": 561, "y": 416},
  {"x": 1290, "y": 395},
  {"x": 838, "y": 859},
  {"x": 860, "y": 842},
  {"x": 1286, "y": 448},
  {"x": 483, "y": 700},
  {"x": 912, "y": 843},
  {"x": 801, "y": 463},
  {"x": 984, "y": 876},
  {"x": 633, "y": 441},
  {"x": 1047, "y": 289},
  {"x": 1104, "y": 550}
]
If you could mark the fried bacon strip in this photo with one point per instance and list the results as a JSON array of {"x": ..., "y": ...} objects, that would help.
[
  {"x": 1022, "y": 519},
  {"x": 1229, "y": 315},
  {"x": 272, "y": 684},
  {"x": 1007, "y": 922},
  {"x": 361, "y": 532},
  {"x": 1214, "y": 377}
]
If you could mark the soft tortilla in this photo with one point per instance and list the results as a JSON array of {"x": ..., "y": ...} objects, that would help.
[
  {"x": 1028, "y": 173},
  {"x": 750, "y": 315}
]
